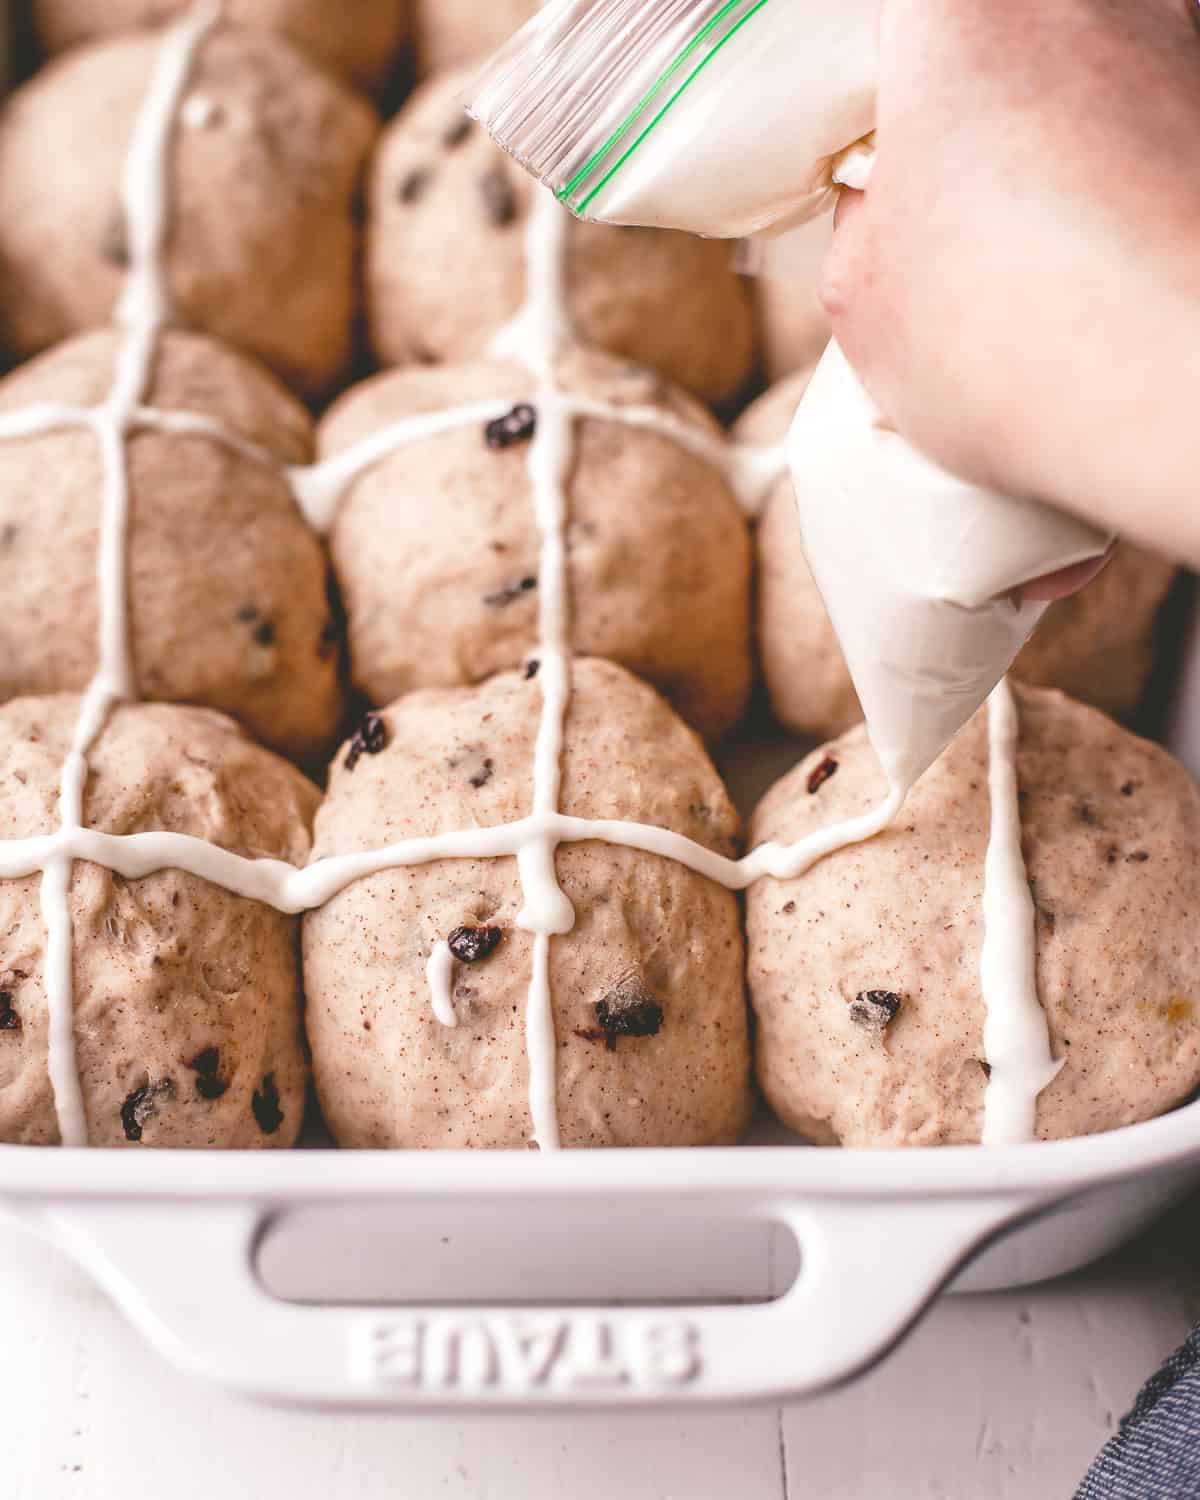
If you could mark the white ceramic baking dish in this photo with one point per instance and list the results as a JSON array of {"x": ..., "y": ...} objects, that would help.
[
  {"x": 489, "y": 1280},
  {"x": 507, "y": 1279},
  {"x": 456, "y": 1280}
]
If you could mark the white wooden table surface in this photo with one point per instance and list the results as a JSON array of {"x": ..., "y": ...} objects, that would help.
[{"x": 1002, "y": 1397}]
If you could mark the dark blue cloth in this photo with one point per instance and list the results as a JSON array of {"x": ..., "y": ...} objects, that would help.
[{"x": 1155, "y": 1453}]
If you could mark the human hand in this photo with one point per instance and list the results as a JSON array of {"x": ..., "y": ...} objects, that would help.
[{"x": 1019, "y": 287}]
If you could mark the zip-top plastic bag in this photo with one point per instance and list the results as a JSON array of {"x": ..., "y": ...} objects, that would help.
[{"x": 722, "y": 117}]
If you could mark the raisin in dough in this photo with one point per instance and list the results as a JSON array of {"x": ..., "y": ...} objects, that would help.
[
  {"x": 449, "y": 32},
  {"x": 1111, "y": 839},
  {"x": 186, "y": 999},
  {"x": 447, "y": 265},
  {"x": 1097, "y": 645},
  {"x": 228, "y": 603},
  {"x": 262, "y": 174},
  {"x": 436, "y": 548},
  {"x": 655, "y": 949},
  {"x": 357, "y": 38}
]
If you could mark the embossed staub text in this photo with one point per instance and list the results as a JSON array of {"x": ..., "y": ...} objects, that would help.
[{"x": 518, "y": 1352}]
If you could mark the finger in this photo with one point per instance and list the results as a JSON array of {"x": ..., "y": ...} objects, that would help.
[
  {"x": 850, "y": 201},
  {"x": 843, "y": 260},
  {"x": 1066, "y": 581}
]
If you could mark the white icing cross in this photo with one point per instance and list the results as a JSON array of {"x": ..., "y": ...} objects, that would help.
[{"x": 535, "y": 337}]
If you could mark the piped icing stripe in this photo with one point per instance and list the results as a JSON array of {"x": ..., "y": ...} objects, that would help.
[
  {"x": 293, "y": 889},
  {"x": 749, "y": 471},
  {"x": 1016, "y": 1035},
  {"x": 537, "y": 336}
]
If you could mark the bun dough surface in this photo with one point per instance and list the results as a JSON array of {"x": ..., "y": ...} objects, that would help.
[
  {"x": 436, "y": 548},
  {"x": 1098, "y": 645},
  {"x": 449, "y": 32},
  {"x": 1111, "y": 840},
  {"x": 228, "y": 603},
  {"x": 650, "y": 936},
  {"x": 265, "y": 161},
  {"x": 357, "y": 38},
  {"x": 168, "y": 970},
  {"x": 447, "y": 265}
]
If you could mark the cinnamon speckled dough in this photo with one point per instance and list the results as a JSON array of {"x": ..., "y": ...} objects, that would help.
[
  {"x": 1111, "y": 838},
  {"x": 387, "y": 1072},
  {"x": 166, "y": 968},
  {"x": 446, "y": 261},
  {"x": 357, "y": 38},
  {"x": 262, "y": 173},
  {"x": 227, "y": 593},
  {"x": 1098, "y": 645},
  {"x": 449, "y": 32},
  {"x": 436, "y": 548}
]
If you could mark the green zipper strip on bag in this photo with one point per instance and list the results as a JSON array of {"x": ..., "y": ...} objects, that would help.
[
  {"x": 659, "y": 83},
  {"x": 664, "y": 78}
]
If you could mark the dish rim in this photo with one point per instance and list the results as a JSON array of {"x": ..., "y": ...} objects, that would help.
[{"x": 1041, "y": 1169}]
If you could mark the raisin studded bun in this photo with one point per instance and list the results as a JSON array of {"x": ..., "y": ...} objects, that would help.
[
  {"x": 266, "y": 152},
  {"x": 1097, "y": 645},
  {"x": 227, "y": 586},
  {"x": 356, "y": 38},
  {"x": 865, "y": 974},
  {"x": 436, "y": 546},
  {"x": 420, "y": 981},
  {"x": 186, "y": 999},
  {"x": 447, "y": 261},
  {"x": 447, "y": 33}
]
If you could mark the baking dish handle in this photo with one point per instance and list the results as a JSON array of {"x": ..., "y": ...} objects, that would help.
[{"x": 186, "y": 1277}]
